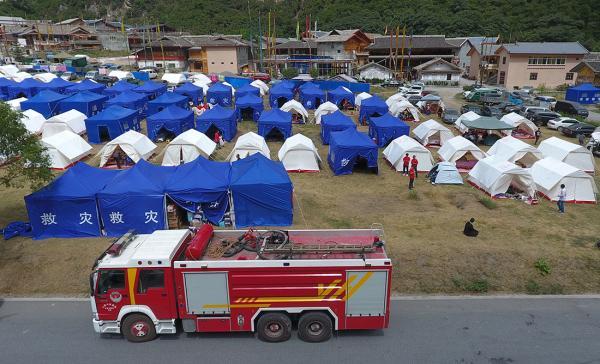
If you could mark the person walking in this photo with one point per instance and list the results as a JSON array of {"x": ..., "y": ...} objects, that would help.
[
  {"x": 581, "y": 138},
  {"x": 538, "y": 134},
  {"x": 405, "y": 164},
  {"x": 562, "y": 196},
  {"x": 414, "y": 163},
  {"x": 411, "y": 179}
]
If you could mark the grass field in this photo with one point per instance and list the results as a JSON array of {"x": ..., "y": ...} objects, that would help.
[{"x": 423, "y": 232}]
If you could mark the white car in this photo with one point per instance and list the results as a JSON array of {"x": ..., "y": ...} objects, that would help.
[
  {"x": 413, "y": 92},
  {"x": 561, "y": 123},
  {"x": 151, "y": 73}
]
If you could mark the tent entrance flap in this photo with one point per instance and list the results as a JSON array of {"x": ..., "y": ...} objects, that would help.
[
  {"x": 104, "y": 134},
  {"x": 275, "y": 135}
]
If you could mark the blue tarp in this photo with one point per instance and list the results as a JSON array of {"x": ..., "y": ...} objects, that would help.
[
  {"x": 338, "y": 95},
  {"x": 151, "y": 89},
  {"x": 275, "y": 119},
  {"x": 131, "y": 100},
  {"x": 119, "y": 87},
  {"x": 194, "y": 93},
  {"x": 345, "y": 148},
  {"x": 384, "y": 129},
  {"x": 280, "y": 94},
  {"x": 202, "y": 183},
  {"x": 262, "y": 192},
  {"x": 85, "y": 85},
  {"x": 337, "y": 121},
  {"x": 371, "y": 106},
  {"x": 89, "y": 103},
  {"x": 172, "y": 119},
  {"x": 165, "y": 100},
  {"x": 135, "y": 199},
  {"x": 4, "y": 84},
  {"x": 57, "y": 85},
  {"x": 26, "y": 88},
  {"x": 219, "y": 94},
  {"x": 247, "y": 90},
  {"x": 586, "y": 93},
  {"x": 237, "y": 81},
  {"x": 115, "y": 120},
  {"x": 355, "y": 87},
  {"x": 66, "y": 208},
  {"x": 45, "y": 102},
  {"x": 311, "y": 96},
  {"x": 221, "y": 118},
  {"x": 249, "y": 101}
]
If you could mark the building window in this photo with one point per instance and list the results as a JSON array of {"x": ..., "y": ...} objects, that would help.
[
  {"x": 449, "y": 77},
  {"x": 230, "y": 62},
  {"x": 533, "y": 76},
  {"x": 339, "y": 51},
  {"x": 502, "y": 77},
  {"x": 547, "y": 61},
  {"x": 503, "y": 60},
  {"x": 212, "y": 62},
  {"x": 332, "y": 46},
  {"x": 569, "y": 76},
  {"x": 222, "y": 62}
]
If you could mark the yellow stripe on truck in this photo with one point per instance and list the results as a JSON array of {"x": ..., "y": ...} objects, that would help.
[
  {"x": 359, "y": 284},
  {"x": 131, "y": 272}
]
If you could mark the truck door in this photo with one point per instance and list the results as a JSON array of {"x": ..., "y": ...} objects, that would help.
[
  {"x": 111, "y": 293},
  {"x": 152, "y": 290}
]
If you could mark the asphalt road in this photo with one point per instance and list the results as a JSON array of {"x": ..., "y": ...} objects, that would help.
[{"x": 497, "y": 331}]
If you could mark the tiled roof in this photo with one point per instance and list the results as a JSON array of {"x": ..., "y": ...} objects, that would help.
[
  {"x": 296, "y": 44},
  {"x": 545, "y": 48},
  {"x": 593, "y": 65},
  {"x": 418, "y": 41},
  {"x": 425, "y": 65}
]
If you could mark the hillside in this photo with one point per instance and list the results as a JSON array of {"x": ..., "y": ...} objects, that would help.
[{"x": 532, "y": 20}]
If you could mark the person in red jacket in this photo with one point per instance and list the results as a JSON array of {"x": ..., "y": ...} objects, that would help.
[
  {"x": 411, "y": 178},
  {"x": 405, "y": 164},
  {"x": 217, "y": 138},
  {"x": 414, "y": 162}
]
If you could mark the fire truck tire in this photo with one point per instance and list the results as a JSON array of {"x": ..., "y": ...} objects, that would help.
[
  {"x": 274, "y": 327},
  {"x": 315, "y": 327},
  {"x": 138, "y": 328}
]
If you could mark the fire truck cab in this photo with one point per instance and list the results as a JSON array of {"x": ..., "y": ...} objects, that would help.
[{"x": 235, "y": 280}]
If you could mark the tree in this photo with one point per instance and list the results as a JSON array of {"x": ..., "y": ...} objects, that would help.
[
  {"x": 18, "y": 54},
  {"x": 24, "y": 159},
  {"x": 289, "y": 72},
  {"x": 314, "y": 73}
]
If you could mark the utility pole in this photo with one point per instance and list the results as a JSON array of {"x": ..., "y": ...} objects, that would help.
[{"x": 260, "y": 43}]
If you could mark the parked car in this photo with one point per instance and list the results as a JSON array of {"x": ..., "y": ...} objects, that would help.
[
  {"x": 542, "y": 117},
  {"x": 151, "y": 73},
  {"x": 493, "y": 111},
  {"x": 470, "y": 107},
  {"x": 546, "y": 100},
  {"x": 412, "y": 92},
  {"x": 390, "y": 83},
  {"x": 578, "y": 128},
  {"x": 419, "y": 87},
  {"x": 527, "y": 111},
  {"x": 68, "y": 76},
  {"x": 449, "y": 116},
  {"x": 508, "y": 107},
  {"x": 413, "y": 99},
  {"x": 560, "y": 123},
  {"x": 571, "y": 108},
  {"x": 264, "y": 77},
  {"x": 476, "y": 95},
  {"x": 104, "y": 79}
]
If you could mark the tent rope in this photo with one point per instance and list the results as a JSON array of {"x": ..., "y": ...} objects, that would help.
[{"x": 300, "y": 208}]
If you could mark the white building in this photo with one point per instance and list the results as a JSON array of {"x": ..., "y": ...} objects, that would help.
[
  {"x": 374, "y": 71},
  {"x": 438, "y": 70}
]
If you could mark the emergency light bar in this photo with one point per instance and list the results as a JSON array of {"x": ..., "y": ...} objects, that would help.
[{"x": 118, "y": 245}]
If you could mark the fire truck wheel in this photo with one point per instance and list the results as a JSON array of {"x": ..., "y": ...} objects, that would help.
[
  {"x": 314, "y": 327},
  {"x": 274, "y": 327},
  {"x": 138, "y": 328}
]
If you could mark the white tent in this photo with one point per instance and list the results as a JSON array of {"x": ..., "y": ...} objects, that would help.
[
  {"x": 395, "y": 98},
  {"x": 466, "y": 116},
  {"x": 521, "y": 124},
  {"x": 446, "y": 173},
  {"x": 9, "y": 70},
  {"x": 248, "y": 144},
  {"x": 324, "y": 109},
  {"x": 205, "y": 86},
  {"x": 33, "y": 121},
  {"x": 549, "y": 173},
  {"x": 457, "y": 147},
  {"x": 431, "y": 132},
  {"x": 187, "y": 146},
  {"x": 200, "y": 77},
  {"x": 299, "y": 154},
  {"x": 398, "y": 148},
  {"x": 400, "y": 106},
  {"x": 295, "y": 106},
  {"x": 173, "y": 78},
  {"x": 135, "y": 145},
  {"x": 264, "y": 89},
  {"x": 361, "y": 96},
  {"x": 45, "y": 77},
  {"x": 120, "y": 75},
  {"x": 65, "y": 148},
  {"x": 15, "y": 104},
  {"x": 495, "y": 176},
  {"x": 515, "y": 151},
  {"x": 20, "y": 76},
  {"x": 570, "y": 153},
  {"x": 72, "y": 120}
]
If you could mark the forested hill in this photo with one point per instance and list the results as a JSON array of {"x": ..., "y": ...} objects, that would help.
[{"x": 523, "y": 20}]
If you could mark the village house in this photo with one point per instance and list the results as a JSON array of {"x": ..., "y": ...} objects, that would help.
[
  {"x": 47, "y": 36},
  {"x": 464, "y": 46},
  {"x": 588, "y": 70},
  {"x": 438, "y": 71},
  {"x": 218, "y": 54},
  {"x": 375, "y": 71},
  {"x": 484, "y": 63},
  {"x": 342, "y": 50}
]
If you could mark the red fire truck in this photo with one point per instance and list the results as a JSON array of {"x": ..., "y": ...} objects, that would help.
[{"x": 235, "y": 280}]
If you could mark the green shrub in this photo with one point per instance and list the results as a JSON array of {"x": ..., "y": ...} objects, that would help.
[
  {"x": 542, "y": 266},
  {"x": 532, "y": 287},
  {"x": 289, "y": 72},
  {"x": 414, "y": 195},
  {"x": 488, "y": 202},
  {"x": 314, "y": 73},
  {"x": 478, "y": 286}
]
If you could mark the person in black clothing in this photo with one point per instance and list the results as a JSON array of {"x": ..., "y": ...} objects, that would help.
[
  {"x": 538, "y": 134},
  {"x": 469, "y": 229}
]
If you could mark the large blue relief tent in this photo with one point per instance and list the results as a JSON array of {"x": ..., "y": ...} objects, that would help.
[
  {"x": 345, "y": 149},
  {"x": 384, "y": 129},
  {"x": 218, "y": 118},
  {"x": 336, "y": 121},
  {"x": 173, "y": 120}
]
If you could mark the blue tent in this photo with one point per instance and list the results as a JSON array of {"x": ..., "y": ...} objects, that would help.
[
  {"x": 373, "y": 106},
  {"x": 262, "y": 192},
  {"x": 249, "y": 101},
  {"x": 275, "y": 119},
  {"x": 26, "y": 88},
  {"x": 202, "y": 183},
  {"x": 218, "y": 118},
  {"x": 45, "y": 102},
  {"x": 384, "y": 129},
  {"x": 173, "y": 119},
  {"x": 112, "y": 122},
  {"x": 339, "y": 94},
  {"x": 586, "y": 93},
  {"x": 247, "y": 90},
  {"x": 219, "y": 94},
  {"x": 311, "y": 96},
  {"x": 4, "y": 84},
  {"x": 66, "y": 208},
  {"x": 85, "y": 85},
  {"x": 151, "y": 89},
  {"x": 135, "y": 199},
  {"x": 337, "y": 121},
  {"x": 89, "y": 103},
  {"x": 194, "y": 93},
  {"x": 131, "y": 100},
  {"x": 57, "y": 85},
  {"x": 118, "y": 87},
  {"x": 307, "y": 84},
  {"x": 165, "y": 100},
  {"x": 346, "y": 147},
  {"x": 280, "y": 94}
]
